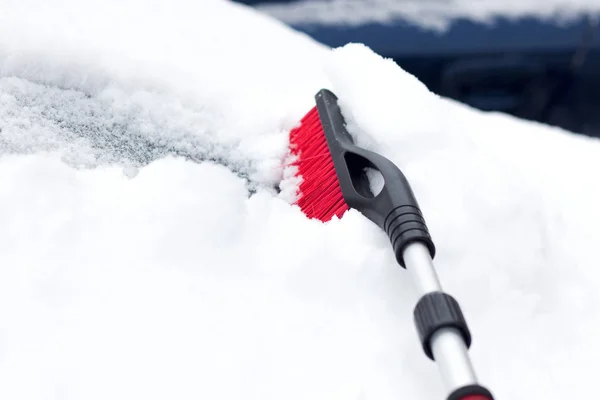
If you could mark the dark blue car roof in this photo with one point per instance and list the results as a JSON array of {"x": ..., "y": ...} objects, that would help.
[{"x": 463, "y": 36}]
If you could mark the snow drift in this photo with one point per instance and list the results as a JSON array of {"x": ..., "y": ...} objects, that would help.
[{"x": 145, "y": 251}]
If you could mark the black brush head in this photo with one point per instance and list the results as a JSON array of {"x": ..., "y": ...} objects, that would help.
[{"x": 394, "y": 209}]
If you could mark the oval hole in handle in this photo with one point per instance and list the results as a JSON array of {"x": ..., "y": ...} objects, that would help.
[{"x": 366, "y": 179}]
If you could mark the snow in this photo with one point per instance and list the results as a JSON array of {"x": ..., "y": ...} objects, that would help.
[
  {"x": 145, "y": 252},
  {"x": 161, "y": 82},
  {"x": 431, "y": 14}
]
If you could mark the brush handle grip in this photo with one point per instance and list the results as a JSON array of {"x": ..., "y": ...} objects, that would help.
[
  {"x": 394, "y": 209},
  {"x": 405, "y": 224}
]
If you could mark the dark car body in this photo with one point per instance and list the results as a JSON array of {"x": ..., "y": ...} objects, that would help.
[{"x": 533, "y": 68}]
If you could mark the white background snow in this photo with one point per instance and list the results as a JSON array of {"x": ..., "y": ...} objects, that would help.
[{"x": 132, "y": 269}]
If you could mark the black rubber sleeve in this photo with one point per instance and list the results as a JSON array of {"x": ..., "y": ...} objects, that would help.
[{"x": 435, "y": 311}]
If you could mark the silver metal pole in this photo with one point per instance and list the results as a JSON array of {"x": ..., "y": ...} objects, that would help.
[{"x": 448, "y": 348}]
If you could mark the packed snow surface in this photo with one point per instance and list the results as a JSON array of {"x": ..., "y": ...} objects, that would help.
[
  {"x": 146, "y": 253},
  {"x": 432, "y": 14}
]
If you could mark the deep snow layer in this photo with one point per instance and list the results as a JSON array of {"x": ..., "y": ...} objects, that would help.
[
  {"x": 156, "y": 276},
  {"x": 433, "y": 14}
]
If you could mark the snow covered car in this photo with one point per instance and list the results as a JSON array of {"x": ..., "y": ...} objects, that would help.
[
  {"x": 536, "y": 62},
  {"x": 150, "y": 247}
]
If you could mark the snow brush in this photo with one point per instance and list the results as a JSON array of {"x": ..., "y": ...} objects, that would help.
[{"x": 333, "y": 172}]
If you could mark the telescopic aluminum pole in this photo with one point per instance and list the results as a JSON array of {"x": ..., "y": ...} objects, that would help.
[{"x": 442, "y": 328}]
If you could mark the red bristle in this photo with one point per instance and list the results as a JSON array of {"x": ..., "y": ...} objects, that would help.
[{"x": 320, "y": 195}]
